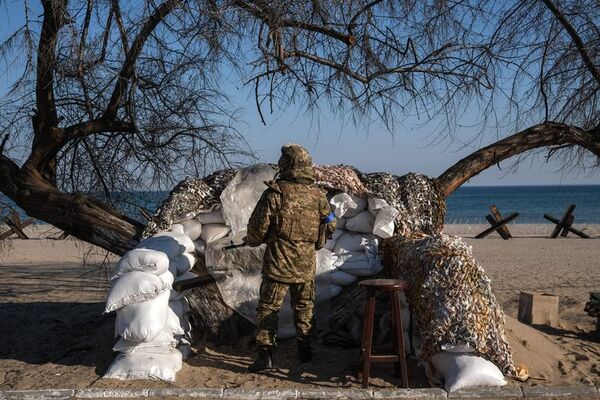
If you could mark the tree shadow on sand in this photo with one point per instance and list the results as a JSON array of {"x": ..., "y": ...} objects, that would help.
[{"x": 57, "y": 332}]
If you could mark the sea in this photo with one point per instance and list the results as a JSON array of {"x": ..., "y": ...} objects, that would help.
[{"x": 467, "y": 205}]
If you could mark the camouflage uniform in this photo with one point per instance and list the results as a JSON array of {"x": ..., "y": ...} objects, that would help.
[{"x": 289, "y": 217}]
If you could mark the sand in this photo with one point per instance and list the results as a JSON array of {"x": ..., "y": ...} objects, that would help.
[{"x": 54, "y": 335}]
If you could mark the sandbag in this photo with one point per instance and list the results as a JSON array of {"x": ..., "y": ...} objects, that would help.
[
  {"x": 181, "y": 238},
  {"x": 175, "y": 295},
  {"x": 146, "y": 260},
  {"x": 341, "y": 278},
  {"x": 464, "y": 370},
  {"x": 182, "y": 264},
  {"x": 168, "y": 278},
  {"x": 350, "y": 242},
  {"x": 341, "y": 204},
  {"x": 173, "y": 324},
  {"x": 384, "y": 224},
  {"x": 358, "y": 264},
  {"x": 142, "y": 322},
  {"x": 212, "y": 232},
  {"x": 180, "y": 307},
  {"x": 160, "y": 344},
  {"x": 330, "y": 244},
  {"x": 185, "y": 350},
  {"x": 165, "y": 244},
  {"x": 361, "y": 205},
  {"x": 362, "y": 222},
  {"x": 324, "y": 261},
  {"x": 211, "y": 217},
  {"x": 192, "y": 228},
  {"x": 200, "y": 247},
  {"x": 145, "y": 365},
  {"x": 334, "y": 290},
  {"x": 134, "y": 287},
  {"x": 340, "y": 223}
]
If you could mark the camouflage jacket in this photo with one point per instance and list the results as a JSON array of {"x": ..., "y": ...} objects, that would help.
[{"x": 288, "y": 218}]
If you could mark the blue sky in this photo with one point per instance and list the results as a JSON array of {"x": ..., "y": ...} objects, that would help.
[{"x": 333, "y": 140}]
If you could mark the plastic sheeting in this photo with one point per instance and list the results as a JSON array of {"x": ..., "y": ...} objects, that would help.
[
  {"x": 240, "y": 289},
  {"x": 240, "y": 196}
]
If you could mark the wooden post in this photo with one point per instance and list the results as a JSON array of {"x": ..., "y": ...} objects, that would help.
[
  {"x": 562, "y": 222},
  {"x": 15, "y": 226},
  {"x": 496, "y": 225},
  {"x": 568, "y": 223},
  {"x": 503, "y": 230}
]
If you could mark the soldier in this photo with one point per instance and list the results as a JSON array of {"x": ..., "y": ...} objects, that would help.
[{"x": 294, "y": 219}]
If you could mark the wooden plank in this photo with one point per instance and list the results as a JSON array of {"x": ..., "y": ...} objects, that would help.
[
  {"x": 562, "y": 222},
  {"x": 503, "y": 230},
  {"x": 570, "y": 228},
  {"x": 192, "y": 283},
  {"x": 496, "y": 225},
  {"x": 492, "y": 221},
  {"x": 568, "y": 223}
]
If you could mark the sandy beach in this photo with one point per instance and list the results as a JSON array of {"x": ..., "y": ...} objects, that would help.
[{"x": 54, "y": 334}]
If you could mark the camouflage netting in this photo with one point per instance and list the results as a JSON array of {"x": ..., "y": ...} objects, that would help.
[{"x": 450, "y": 294}]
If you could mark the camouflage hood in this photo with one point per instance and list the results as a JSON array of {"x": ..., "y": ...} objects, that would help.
[{"x": 295, "y": 164}]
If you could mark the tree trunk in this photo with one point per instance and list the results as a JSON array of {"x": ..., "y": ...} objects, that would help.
[{"x": 76, "y": 214}]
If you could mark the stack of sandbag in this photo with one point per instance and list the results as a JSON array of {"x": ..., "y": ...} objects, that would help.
[
  {"x": 152, "y": 319},
  {"x": 361, "y": 223}
]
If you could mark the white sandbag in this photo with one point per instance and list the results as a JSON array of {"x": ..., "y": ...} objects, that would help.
[
  {"x": 168, "y": 278},
  {"x": 341, "y": 278},
  {"x": 341, "y": 204},
  {"x": 464, "y": 370},
  {"x": 147, "y": 260},
  {"x": 361, "y": 205},
  {"x": 181, "y": 238},
  {"x": 176, "y": 228},
  {"x": 173, "y": 324},
  {"x": 134, "y": 287},
  {"x": 200, "y": 247},
  {"x": 145, "y": 365},
  {"x": 192, "y": 228},
  {"x": 340, "y": 223},
  {"x": 330, "y": 244},
  {"x": 358, "y": 264},
  {"x": 350, "y": 242},
  {"x": 384, "y": 224},
  {"x": 211, "y": 217},
  {"x": 160, "y": 344},
  {"x": 375, "y": 204},
  {"x": 240, "y": 196},
  {"x": 212, "y": 232},
  {"x": 324, "y": 261},
  {"x": 362, "y": 222},
  {"x": 142, "y": 322},
  {"x": 182, "y": 264},
  {"x": 165, "y": 244}
]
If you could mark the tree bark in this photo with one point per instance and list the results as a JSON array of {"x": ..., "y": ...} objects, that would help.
[
  {"x": 75, "y": 213},
  {"x": 548, "y": 134}
]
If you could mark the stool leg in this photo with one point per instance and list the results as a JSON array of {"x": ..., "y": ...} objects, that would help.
[
  {"x": 367, "y": 337},
  {"x": 399, "y": 336}
]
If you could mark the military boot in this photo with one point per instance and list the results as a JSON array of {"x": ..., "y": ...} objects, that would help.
[
  {"x": 304, "y": 350},
  {"x": 264, "y": 360}
]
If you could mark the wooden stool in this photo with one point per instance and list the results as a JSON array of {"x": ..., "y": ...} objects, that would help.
[{"x": 394, "y": 287}]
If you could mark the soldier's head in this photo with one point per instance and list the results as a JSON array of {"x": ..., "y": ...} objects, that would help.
[{"x": 295, "y": 164}]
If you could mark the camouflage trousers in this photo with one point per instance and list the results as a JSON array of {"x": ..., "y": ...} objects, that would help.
[{"x": 272, "y": 293}]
